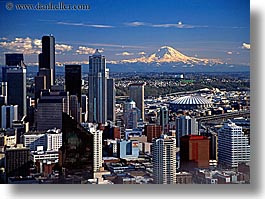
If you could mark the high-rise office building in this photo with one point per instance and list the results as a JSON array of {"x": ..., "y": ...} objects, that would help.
[
  {"x": 131, "y": 114},
  {"x": 3, "y": 95},
  {"x": 20, "y": 128},
  {"x": 127, "y": 105},
  {"x": 97, "y": 91},
  {"x": 77, "y": 151},
  {"x": 194, "y": 152},
  {"x": 73, "y": 80},
  {"x": 40, "y": 84},
  {"x": 136, "y": 93},
  {"x": 47, "y": 57},
  {"x": 50, "y": 140},
  {"x": 164, "y": 160},
  {"x": 47, "y": 73},
  {"x": 164, "y": 119},
  {"x": 51, "y": 105},
  {"x": 133, "y": 118},
  {"x": 16, "y": 86},
  {"x": 152, "y": 131},
  {"x": 185, "y": 125},
  {"x": 84, "y": 106},
  {"x": 74, "y": 108},
  {"x": 17, "y": 161},
  {"x": 8, "y": 115},
  {"x": 233, "y": 145},
  {"x": 95, "y": 130},
  {"x": 111, "y": 93},
  {"x": 14, "y": 59}
]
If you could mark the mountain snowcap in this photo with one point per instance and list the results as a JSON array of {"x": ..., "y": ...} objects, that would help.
[{"x": 167, "y": 54}]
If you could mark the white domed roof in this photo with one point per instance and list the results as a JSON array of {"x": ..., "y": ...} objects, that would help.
[{"x": 192, "y": 100}]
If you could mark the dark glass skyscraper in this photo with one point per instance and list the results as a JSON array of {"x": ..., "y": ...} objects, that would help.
[
  {"x": 47, "y": 57},
  {"x": 16, "y": 89},
  {"x": 97, "y": 91},
  {"x": 76, "y": 152},
  {"x": 73, "y": 80},
  {"x": 136, "y": 93},
  {"x": 14, "y": 59},
  {"x": 111, "y": 93}
]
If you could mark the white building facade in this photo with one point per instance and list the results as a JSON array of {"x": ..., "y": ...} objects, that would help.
[
  {"x": 233, "y": 145},
  {"x": 50, "y": 140},
  {"x": 164, "y": 160},
  {"x": 97, "y": 144}
]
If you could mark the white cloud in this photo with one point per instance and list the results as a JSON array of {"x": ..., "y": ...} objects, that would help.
[
  {"x": 20, "y": 45},
  {"x": 246, "y": 46},
  {"x": 61, "y": 63},
  {"x": 125, "y": 53},
  {"x": 59, "y": 48},
  {"x": 4, "y": 38},
  {"x": 29, "y": 46},
  {"x": 136, "y": 23},
  {"x": 180, "y": 24},
  {"x": 83, "y": 50},
  {"x": 37, "y": 43},
  {"x": 177, "y": 25},
  {"x": 142, "y": 53},
  {"x": 85, "y": 25}
]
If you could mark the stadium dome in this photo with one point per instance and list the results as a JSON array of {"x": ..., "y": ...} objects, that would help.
[{"x": 189, "y": 103}]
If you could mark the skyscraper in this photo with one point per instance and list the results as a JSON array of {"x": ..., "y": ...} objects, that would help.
[
  {"x": 47, "y": 57},
  {"x": 136, "y": 93},
  {"x": 16, "y": 89},
  {"x": 185, "y": 125},
  {"x": 152, "y": 131},
  {"x": 95, "y": 130},
  {"x": 163, "y": 119},
  {"x": 77, "y": 151},
  {"x": 97, "y": 91},
  {"x": 51, "y": 105},
  {"x": 111, "y": 93},
  {"x": 194, "y": 151},
  {"x": 84, "y": 105},
  {"x": 131, "y": 114},
  {"x": 4, "y": 93},
  {"x": 233, "y": 146},
  {"x": 74, "y": 108},
  {"x": 133, "y": 118},
  {"x": 45, "y": 72},
  {"x": 17, "y": 161},
  {"x": 40, "y": 84},
  {"x": 73, "y": 80},
  {"x": 164, "y": 160},
  {"x": 14, "y": 59},
  {"x": 8, "y": 115}
]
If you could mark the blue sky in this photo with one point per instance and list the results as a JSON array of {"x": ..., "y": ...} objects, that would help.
[{"x": 131, "y": 28}]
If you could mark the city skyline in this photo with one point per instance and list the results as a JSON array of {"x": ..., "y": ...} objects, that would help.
[
  {"x": 127, "y": 31},
  {"x": 148, "y": 109}
]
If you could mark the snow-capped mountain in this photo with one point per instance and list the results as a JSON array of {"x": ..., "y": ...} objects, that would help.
[{"x": 167, "y": 54}]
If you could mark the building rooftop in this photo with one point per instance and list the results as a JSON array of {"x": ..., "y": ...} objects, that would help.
[
  {"x": 192, "y": 100},
  {"x": 50, "y": 131},
  {"x": 195, "y": 137}
]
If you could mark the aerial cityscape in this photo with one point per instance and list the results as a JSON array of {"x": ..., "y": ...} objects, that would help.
[{"x": 107, "y": 93}]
